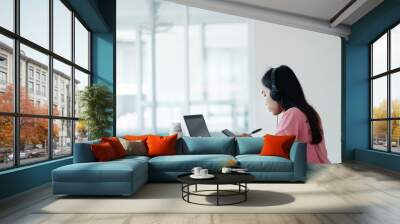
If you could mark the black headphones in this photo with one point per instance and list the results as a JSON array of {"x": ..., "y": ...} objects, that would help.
[{"x": 274, "y": 93}]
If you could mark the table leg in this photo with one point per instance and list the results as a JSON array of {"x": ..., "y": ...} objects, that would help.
[
  {"x": 217, "y": 194},
  {"x": 245, "y": 193},
  {"x": 196, "y": 187}
]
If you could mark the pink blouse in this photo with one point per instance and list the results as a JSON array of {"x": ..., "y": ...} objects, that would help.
[{"x": 294, "y": 122}]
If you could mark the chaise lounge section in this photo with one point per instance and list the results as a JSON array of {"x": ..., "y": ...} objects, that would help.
[{"x": 125, "y": 176}]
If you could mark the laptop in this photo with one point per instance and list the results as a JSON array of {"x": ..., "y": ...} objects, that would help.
[{"x": 196, "y": 125}]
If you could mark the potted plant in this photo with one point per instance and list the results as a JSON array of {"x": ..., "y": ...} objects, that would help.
[{"x": 96, "y": 103}]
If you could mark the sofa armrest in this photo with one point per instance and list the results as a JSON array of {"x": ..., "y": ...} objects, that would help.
[
  {"x": 83, "y": 152},
  {"x": 298, "y": 155}
]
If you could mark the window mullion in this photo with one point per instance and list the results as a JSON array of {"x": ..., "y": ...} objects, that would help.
[
  {"x": 389, "y": 101},
  {"x": 50, "y": 81},
  {"x": 16, "y": 84},
  {"x": 73, "y": 81}
]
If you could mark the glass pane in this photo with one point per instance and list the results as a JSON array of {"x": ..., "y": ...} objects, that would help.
[
  {"x": 6, "y": 74},
  {"x": 134, "y": 67},
  {"x": 170, "y": 53},
  {"x": 35, "y": 21},
  {"x": 81, "y": 81},
  {"x": 62, "y": 29},
  {"x": 379, "y": 55},
  {"x": 395, "y": 47},
  {"x": 166, "y": 115},
  {"x": 379, "y": 135},
  {"x": 81, "y": 45},
  {"x": 218, "y": 69},
  {"x": 62, "y": 89},
  {"x": 395, "y": 94},
  {"x": 379, "y": 97},
  {"x": 6, "y": 142},
  {"x": 33, "y": 139},
  {"x": 34, "y": 80},
  {"x": 81, "y": 131},
  {"x": 395, "y": 129},
  {"x": 7, "y": 14},
  {"x": 62, "y": 138}
]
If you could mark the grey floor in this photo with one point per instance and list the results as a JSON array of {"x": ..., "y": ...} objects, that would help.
[{"x": 378, "y": 188}]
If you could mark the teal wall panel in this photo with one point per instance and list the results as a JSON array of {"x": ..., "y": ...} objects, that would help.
[
  {"x": 24, "y": 178},
  {"x": 356, "y": 84}
]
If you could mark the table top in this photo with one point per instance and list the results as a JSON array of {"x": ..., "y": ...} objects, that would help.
[{"x": 220, "y": 178}]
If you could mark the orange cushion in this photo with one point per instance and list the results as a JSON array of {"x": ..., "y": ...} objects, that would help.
[
  {"x": 136, "y": 137},
  {"x": 161, "y": 145},
  {"x": 116, "y": 145},
  {"x": 103, "y": 152},
  {"x": 275, "y": 145}
]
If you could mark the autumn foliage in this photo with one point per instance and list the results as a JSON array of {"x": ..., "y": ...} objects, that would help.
[
  {"x": 33, "y": 131},
  {"x": 380, "y": 127}
]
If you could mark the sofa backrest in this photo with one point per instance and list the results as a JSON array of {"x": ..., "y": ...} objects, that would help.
[
  {"x": 249, "y": 145},
  {"x": 206, "y": 145},
  {"x": 83, "y": 152}
]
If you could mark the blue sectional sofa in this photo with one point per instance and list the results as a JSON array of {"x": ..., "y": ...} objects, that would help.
[{"x": 125, "y": 176}]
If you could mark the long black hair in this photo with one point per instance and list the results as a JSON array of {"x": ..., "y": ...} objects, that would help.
[{"x": 289, "y": 93}]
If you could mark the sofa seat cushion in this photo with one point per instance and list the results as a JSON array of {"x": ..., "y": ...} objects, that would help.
[
  {"x": 185, "y": 163},
  {"x": 113, "y": 171},
  {"x": 257, "y": 163}
]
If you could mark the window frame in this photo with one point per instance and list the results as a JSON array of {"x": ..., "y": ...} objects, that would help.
[
  {"x": 388, "y": 74},
  {"x": 16, "y": 115}
]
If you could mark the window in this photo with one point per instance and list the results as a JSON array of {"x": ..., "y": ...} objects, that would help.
[
  {"x": 7, "y": 14},
  {"x": 30, "y": 87},
  {"x": 385, "y": 94},
  {"x": 30, "y": 72},
  {"x": 3, "y": 78},
  {"x": 199, "y": 66},
  {"x": 62, "y": 29},
  {"x": 81, "y": 45},
  {"x": 81, "y": 81},
  {"x": 3, "y": 61},
  {"x": 44, "y": 131},
  {"x": 61, "y": 75},
  {"x": 6, "y": 72},
  {"x": 35, "y": 21}
]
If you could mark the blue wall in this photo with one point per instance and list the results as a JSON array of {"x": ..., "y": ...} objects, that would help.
[
  {"x": 100, "y": 16},
  {"x": 356, "y": 53}
]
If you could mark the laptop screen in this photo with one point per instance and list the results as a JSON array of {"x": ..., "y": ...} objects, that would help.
[{"x": 196, "y": 126}]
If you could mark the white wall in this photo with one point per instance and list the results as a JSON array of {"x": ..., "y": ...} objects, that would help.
[{"x": 316, "y": 60}]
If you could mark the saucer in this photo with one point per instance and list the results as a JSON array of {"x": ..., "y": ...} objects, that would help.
[{"x": 208, "y": 176}]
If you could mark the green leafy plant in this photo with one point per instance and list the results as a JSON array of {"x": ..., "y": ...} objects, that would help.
[{"x": 96, "y": 103}]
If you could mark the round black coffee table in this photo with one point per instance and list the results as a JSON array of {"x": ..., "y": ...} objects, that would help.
[{"x": 238, "y": 179}]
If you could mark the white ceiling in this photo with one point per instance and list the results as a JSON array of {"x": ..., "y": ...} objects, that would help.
[
  {"x": 315, "y": 15},
  {"x": 319, "y": 9},
  {"x": 312, "y": 15}
]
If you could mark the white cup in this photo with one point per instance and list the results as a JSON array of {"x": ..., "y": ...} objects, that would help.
[
  {"x": 226, "y": 170},
  {"x": 196, "y": 171},
  {"x": 203, "y": 172}
]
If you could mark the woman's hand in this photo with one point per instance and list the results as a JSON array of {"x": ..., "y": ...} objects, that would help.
[{"x": 244, "y": 135}]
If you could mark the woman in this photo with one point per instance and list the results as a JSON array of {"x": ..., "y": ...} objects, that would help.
[{"x": 284, "y": 94}]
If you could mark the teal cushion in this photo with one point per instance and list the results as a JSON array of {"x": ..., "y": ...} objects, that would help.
[
  {"x": 208, "y": 145},
  {"x": 111, "y": 171},
  {"x": 185, "y": 163},
  {"x": 249, "y": 145},
  {"x": 257, "y": 163}
]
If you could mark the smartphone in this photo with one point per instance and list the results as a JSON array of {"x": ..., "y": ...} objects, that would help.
[
  {"x": 228, "y": 133},
  {"x": 255, "y": 131}
]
